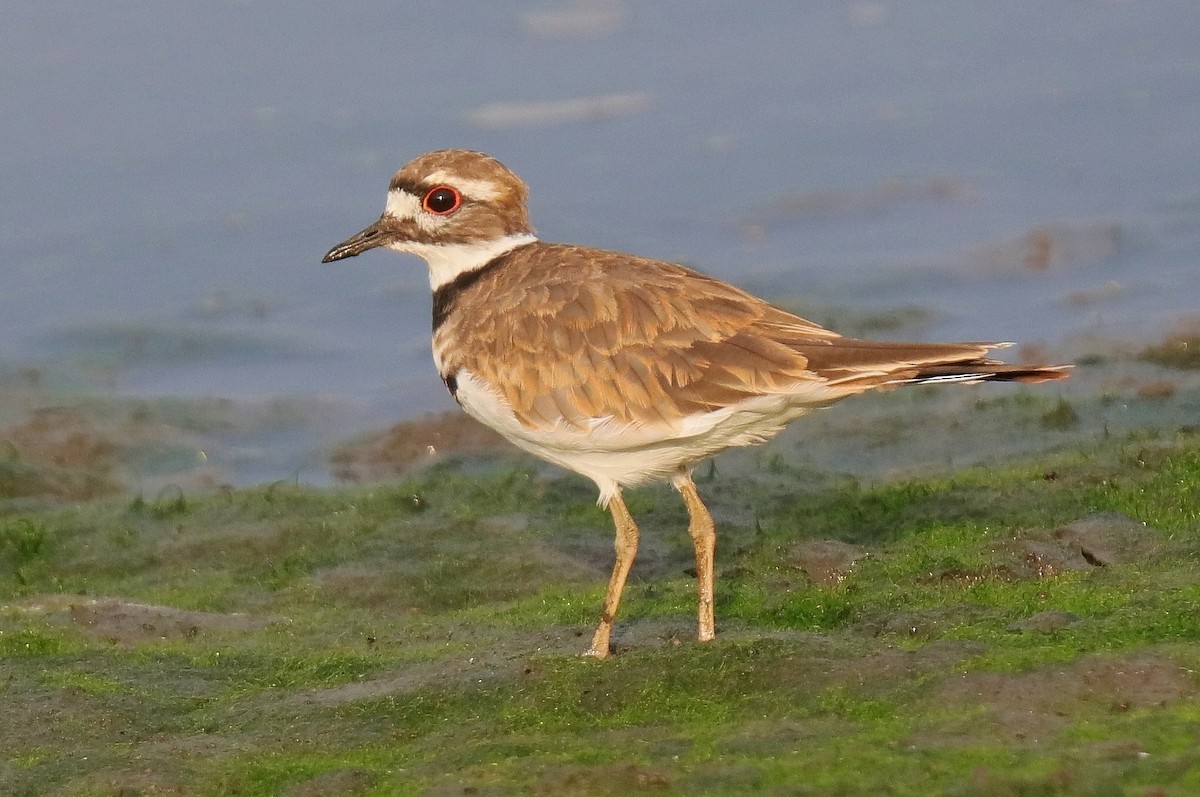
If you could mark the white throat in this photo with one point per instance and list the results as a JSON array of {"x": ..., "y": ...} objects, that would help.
[{"x": 448, "y": 261}]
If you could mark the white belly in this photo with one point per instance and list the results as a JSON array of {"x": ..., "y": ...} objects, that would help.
[{"x": 614, "y": 455}]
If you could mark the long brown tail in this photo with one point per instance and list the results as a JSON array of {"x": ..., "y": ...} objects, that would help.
[{"x": 864, "y": 364}]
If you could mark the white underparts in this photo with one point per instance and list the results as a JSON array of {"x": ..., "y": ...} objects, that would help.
[{"x": 614, "y": 455}]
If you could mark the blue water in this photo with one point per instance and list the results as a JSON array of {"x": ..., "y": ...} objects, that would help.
[{"x": 170, "y": 174}]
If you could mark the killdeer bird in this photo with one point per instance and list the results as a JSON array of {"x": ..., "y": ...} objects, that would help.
[{"x": 622, "y": 369}]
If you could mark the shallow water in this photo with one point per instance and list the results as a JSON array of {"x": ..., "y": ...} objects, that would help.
[{"x": 171, "y": 176}]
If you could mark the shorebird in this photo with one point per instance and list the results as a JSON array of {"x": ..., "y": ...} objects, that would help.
[{"x": 620, "y": 368}]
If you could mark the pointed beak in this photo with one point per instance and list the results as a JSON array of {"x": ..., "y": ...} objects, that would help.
[{"x": 369, "y": 238}]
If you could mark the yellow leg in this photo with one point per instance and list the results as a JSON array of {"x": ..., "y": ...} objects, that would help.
[
  {"x": 704, "y": 538},
  {"x": 626, "y": 546}
]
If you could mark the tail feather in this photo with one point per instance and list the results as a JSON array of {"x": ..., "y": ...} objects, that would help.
[
  {"x": 978, "y": 371},
  {"x": 864, "y": 364}
]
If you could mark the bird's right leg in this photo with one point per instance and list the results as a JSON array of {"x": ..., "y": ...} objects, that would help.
[
  {"x": 626, "y": 545},
  {"x": 704, "y": 539}
]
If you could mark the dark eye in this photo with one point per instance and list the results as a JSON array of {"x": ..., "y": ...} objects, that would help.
[{"x": 442, "y": 200}]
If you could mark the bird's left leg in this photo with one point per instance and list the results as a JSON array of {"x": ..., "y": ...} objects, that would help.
[{"x": 704, "y": 539}]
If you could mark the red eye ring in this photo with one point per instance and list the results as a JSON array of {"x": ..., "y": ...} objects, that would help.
[{"x": 441, "y": 200}]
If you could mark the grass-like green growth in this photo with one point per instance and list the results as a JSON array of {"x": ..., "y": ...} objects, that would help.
[{"x": 1030, "y": 627}]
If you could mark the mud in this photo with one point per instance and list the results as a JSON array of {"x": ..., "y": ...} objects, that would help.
[
  {"x": 128, "y": 623},
  {"x": 1034, "y": 706},
  {"x": 1110, "y": 538},
  {"x": 404, "y": 446},
  {"x": 338, "y": 783},
  {"x": 826, "y": 562},
  {"x": 58, "y": 452}
]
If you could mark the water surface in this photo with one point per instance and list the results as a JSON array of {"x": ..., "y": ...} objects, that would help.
[{"x": 171, "y": 174}]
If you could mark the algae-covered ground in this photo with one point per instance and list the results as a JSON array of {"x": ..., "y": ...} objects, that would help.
[{"x": 999, "y": 595}]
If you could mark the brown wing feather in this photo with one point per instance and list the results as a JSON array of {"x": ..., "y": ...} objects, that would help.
[
  {"x": 574, "y": 333},
  {"x": 570, "y": 334}
]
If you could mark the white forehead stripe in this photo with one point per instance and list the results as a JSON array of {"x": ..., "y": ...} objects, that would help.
[
  {"x": 483, "y": 190},
  {"x": 402, "y": 204}
]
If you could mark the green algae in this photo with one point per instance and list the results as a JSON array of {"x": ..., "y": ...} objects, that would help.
[{"x": 423, "y": 637}]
